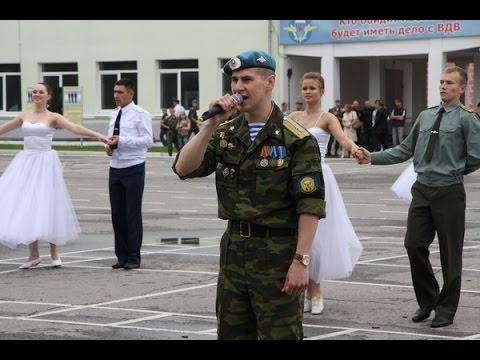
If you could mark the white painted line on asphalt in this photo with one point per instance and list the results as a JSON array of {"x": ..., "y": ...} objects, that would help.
[
  {"x": 171, "y": 211},
  {"x": 146, "y": 318},
  {"x": 360, "y": 192},
  {"x": 389, "y": 285},
  {"x": 408, "y": 266},
  {"x": 384, "y": 258},
  {"x": 99, "y": 215},
  {"x": 193, "y": 198},
  {"x": 202, "y": 219},
  {"x": 133, "y": 298},
  {"x": 92, "y": 208},
  {"x": 405, "y": 333},
  {"x": 212, "y": 331},
  {"x": 365, "y": 204},
  {"x": 90, "y": 189},
  {"x": 330, "y": 335},
  {"x": 168, "y": 191}
]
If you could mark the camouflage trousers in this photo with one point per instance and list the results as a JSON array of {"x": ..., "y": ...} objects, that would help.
[{"x": 250, "y": 303}]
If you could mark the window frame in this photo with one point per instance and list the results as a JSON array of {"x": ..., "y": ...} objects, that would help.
[{"x": 5, "y": 92}]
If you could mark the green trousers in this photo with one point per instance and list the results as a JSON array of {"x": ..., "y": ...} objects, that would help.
[
  {"x": 438, "y": 210},
  {"x": 250, "y": 302}
]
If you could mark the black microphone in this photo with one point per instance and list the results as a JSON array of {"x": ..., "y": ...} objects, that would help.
[{"x": 216, "y": 109}]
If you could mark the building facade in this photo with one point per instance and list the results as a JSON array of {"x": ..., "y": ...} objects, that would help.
[
  {"x": 381, "y": 59},
  {"x": 166, "y": 58}
]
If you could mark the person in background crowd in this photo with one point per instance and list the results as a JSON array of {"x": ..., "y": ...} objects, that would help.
[
  {"x": 193, "y": 116},
  {"x": 163, "y": 127},
  {"x": 284, "y": 108},
  {"x": 368, "y": 135},
  {"x": 398, "y": 117},
  {"x": 178, "y": 108},
  {"x": 380, "y": 126},
  {"x": 299, "y": 105},
  {"x": 337, "y": 111},
  {"x": 183, "y": 130}
]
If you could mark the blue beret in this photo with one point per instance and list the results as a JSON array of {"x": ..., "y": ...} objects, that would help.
[{"x": 250, "y": 59}]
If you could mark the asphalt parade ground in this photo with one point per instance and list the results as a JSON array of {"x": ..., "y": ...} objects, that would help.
[{"x": 172, "y": 296}]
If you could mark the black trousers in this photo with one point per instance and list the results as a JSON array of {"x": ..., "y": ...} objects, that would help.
[
  {"x": 440, "y": 210},
  {"x": 126, "y": 192},
  {"x": 163, "y": 136}
]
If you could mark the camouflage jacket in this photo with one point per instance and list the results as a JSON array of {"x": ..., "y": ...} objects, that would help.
[
  {"x": 271, "y": 195},
  {"x": 192, "y": 114}
]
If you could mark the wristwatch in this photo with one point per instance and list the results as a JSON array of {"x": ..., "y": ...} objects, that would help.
[{"x": 304, "y": 259}]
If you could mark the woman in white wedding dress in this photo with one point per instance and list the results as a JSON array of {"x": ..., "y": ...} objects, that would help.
[
  {"x": 34, "y": 200},
  {"x": 336, "y": 247}
]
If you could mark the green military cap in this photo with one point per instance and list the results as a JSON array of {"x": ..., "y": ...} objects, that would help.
[{"x": 250, "y": 59}]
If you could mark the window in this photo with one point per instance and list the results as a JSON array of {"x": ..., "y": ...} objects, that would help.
[
  {"x": 10, "y": 88},
  {"x": 110, "y": 73},
  {"x": 226, "y": 81},
  {"x": 58, "y": 75},
  {"x": 178, "y": 79}
]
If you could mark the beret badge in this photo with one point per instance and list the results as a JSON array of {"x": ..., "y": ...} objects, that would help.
[{"x": 234, "y": 63}]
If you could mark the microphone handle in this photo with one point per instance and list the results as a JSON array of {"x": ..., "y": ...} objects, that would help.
[{"x": 215, "y": 110}]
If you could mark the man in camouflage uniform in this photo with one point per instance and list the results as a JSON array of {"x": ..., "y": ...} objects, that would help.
[
  {"x": 171, "y": 122},
  {"x": 270, "y": 187},
  {"x": 192, "y": 115},
  {"x": 337, "y": 110}
]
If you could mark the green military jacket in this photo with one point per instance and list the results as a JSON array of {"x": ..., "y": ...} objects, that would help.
[
  {"x": 249, "y": 190},
  {"x": 172, "y": 122},
  {"x": 192, "y": 113},
  {"x": 456, "y": 152}
]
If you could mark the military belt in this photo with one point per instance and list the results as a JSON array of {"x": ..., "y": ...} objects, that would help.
[{"x": 247, "y": 230}]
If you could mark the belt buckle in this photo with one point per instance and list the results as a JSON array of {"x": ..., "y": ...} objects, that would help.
[{"x": 242, "y": 234}]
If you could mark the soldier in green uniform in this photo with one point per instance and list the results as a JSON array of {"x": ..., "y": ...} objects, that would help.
[
  {"x": 270, "y": 187},
  {"x": 445, "y": 145},
  {"x": 338, "y": 112},
  {"x": 171, "y": 122},
  {"x": 192, "y": 115}
]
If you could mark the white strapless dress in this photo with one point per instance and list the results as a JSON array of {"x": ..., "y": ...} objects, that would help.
[
  {"x": 34, "y": 199},
  {"x": 336, "y": 247}
]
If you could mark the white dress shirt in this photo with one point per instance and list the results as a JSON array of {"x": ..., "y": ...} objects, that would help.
[{"x": 135, "y": 138}]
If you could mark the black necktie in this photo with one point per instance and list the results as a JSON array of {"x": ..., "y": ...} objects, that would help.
[
  {"x": 433, "y": 136},
  {"x": 116, "y": 128}
]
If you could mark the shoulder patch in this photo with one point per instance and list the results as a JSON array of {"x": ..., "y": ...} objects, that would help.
[
  {"x": 464, "y": 108},
  {"x": 295, "y": 128},
  {"x": 138, "y": 108}
]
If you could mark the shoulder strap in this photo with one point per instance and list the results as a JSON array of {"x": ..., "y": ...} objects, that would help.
[
  {"x": 295, "y": 128},
  {"x": 316, "y": 122}
]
